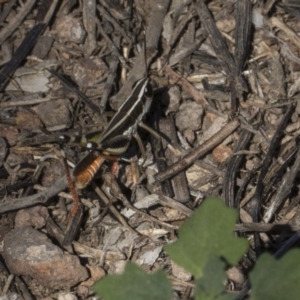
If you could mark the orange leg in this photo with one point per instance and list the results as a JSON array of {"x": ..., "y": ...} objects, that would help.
[
  {"x": 76, "y": 201},
  {"x": 114, "y": 168}
]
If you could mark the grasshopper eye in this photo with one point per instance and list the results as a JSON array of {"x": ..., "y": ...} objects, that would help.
[
  {"x": 62, "y": 139},
  {"x": 91, "y": 146}
]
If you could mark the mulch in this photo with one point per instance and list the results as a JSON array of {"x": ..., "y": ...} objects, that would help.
[{"x": 225, "y": 80}]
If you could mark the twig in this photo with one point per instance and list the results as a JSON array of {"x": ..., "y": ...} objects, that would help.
[
  {"x": 113, "y": 65},
  {"x": 186, "y": 86},
  {"x": 8, "y": 29},
  {"x": 284, "y": 190},
  {"x": 76, "y": 91},
  {"x": 20, "y": 54},
  {"x": 88, "y": 17},
  {"x": 261, "y": 227},
  {"x": 6, "y": 10},
  {"x": 199, "y": 151},
  {"x": 23, "y": 102},
  {"x": 112, "y": 208},
  {"x": 116, "y": 25},
  {"x": 50, "y": 11},
  {"x": 39, "y": 198},
  {"x": 232, "y": 169},
  {"x": 257, "y": 198},
  {"x": 179, "y": 182}
]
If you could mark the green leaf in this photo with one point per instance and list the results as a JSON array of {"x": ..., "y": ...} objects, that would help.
[
  {"x": 276, "y": 279},
  {"x": 135, "y": 284},
  {"x": 210, "y": 285},
  {"x": 209, "y": 231}
]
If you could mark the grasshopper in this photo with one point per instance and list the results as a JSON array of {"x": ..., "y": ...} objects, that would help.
[{"x": 118, "y": 134}]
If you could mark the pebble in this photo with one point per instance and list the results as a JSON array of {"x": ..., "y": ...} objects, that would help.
[
  {"x": 88, "y": 71},
  {"x": 34, "y": 216},
  {"x": 70, "y": 29},
  {"x": 29, "y": 252},
  {"x": 189, "y": 116}
]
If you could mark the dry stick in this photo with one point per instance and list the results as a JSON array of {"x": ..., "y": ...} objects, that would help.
[
  {"x": 76, "y": 91},
  {"x": 7, "y": 285},
  {"x": 238, "y": 84},
  {"x": 97, "y": 253},
  {"x": 261, "y": 227},
  {"x": 105, "y": 14},
  {"x": 50, "y": 11},
  {"x": 242, "y": 33},
  {"x": 176, "y": 34},
  {"x": 268, "y": 6},
  {"x": 88, "y": 17},
  {"x": 169, "y": 202},
  {"x": 116, "y": 9},
  {"x": 186, "y": 86},
  {"x": 232, "y": 169},
  {"x": 20, "y": 54},
  {"x": 284, "y": 190},
  {"x": 25, "y": 102},
  {"x": 178, "y": 182},
  {"x": 8, "y": 29},
  {"x": 199, "y": 151},
  {"x": 6, "y": 10},
  {"x": 153, "y": 34},
  {"x": 216, "y": 38},
  {"x": 115, "y": 190},
  {"x": 180, "y": 28},
  {"x": 145, "y": 215},
  {"x": 160, "y": 159},
  {"x": 257, "y": 198},
  {"x": 111, "y": 207},
  {"x": 39, "y": 198},
  {"x": 110, "y": 43},
  {"x": 184, "y": 52},
  {"x": 291, "y": 34},
  {"x": 113, "y": 65}
]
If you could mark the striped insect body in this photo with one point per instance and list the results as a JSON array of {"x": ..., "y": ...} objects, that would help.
[{"x": 118, "y": 134}]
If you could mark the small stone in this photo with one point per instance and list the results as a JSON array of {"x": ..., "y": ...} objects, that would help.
[
  {"x": 27, "y": 120},
  {"x": 70, "y": 29},
  {"x": 221, "y": 153},
  {"x": 10, "y": 133},
  {"x": 180, "y": 272},
  {"x": 34, "y": 216},
  {"x": 236, "y": 275},
  {"x": 43, "y": 46},
  {"x": 226, "y": 24},
  {"x": 96, "y": 273},
  {"x": 53, "y": 173},
  {"x": 189, "y": 135},
  {"x": 11, "y": 296},
  {"x": 66, "y": 296},
  {"x": 82, "y": 291},
  {"x": 29, "y": 252},
  {"x": 171, "y": 99},
  {"x": 55, "y": 113},
  {"x": 118, "y": 267},
  {"x": 88, "y": 71},
  {"x": 189, "y": 116}
]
